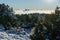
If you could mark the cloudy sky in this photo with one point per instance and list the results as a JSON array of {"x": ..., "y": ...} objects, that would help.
[{"x": 32, "y": 4}]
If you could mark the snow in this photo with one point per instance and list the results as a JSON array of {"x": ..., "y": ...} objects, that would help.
[{"x": 14, "y": 35}]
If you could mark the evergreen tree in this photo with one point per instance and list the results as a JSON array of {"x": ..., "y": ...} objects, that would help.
[
  {"x": 37, "y": 33},
  {"x": 6, "y": 16}
]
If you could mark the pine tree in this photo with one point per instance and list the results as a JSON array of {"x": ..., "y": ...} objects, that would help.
[
  {"x": 6, "y": 16},
  {"x": 37, "y": 34}
]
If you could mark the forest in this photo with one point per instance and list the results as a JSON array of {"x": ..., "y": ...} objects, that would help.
[{"x": 45, "y": 25}]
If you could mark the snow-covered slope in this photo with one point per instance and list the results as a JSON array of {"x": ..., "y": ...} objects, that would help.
[{"x": 14, "y": 35}]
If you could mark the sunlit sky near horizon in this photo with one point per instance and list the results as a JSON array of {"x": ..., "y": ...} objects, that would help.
[{"x": 32, "y": 4}]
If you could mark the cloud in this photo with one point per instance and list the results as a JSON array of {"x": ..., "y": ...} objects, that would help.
[{"x": 33, "y": 11}]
